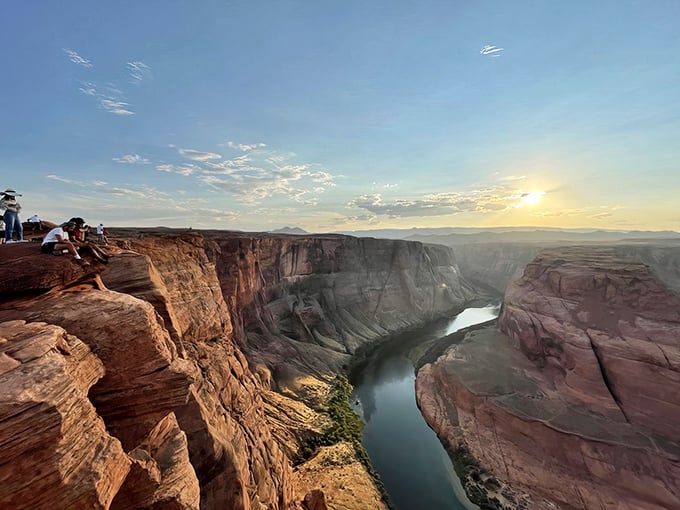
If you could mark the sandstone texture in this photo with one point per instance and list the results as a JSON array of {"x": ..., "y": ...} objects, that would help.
[
  {"x": 576, "y": 398},
  {"x": 184, "y": 372},
  {"x": 306, "y": 304},
  {"x": 25, "y": 270},
  {"x": 55, "y": 450}
]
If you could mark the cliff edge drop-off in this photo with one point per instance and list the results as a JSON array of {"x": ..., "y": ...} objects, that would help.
[
  {"x": 192, "y": 370},
  {"x": 189, "y": 370}
]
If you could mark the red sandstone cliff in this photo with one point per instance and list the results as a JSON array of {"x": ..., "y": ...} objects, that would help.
[
  {"x": 140, "y": 361},
  {"x": 576, "y": 400},
  {"x": 305, "y": 304}
]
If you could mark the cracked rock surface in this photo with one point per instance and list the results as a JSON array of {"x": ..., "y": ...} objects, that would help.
[{"x": 575, "y": 398}]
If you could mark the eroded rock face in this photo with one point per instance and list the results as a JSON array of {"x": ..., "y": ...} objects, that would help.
[
  {"x": 56, "y": 452},
  {"x": 170, "y": 319},
  {"x": 576, "y": 399},
  {"x": 235, "y": 457},
  {"x": 144, "y": 379},
  {"x": 161, "y": 475},
  {"x": 305, "y": 304},
  {"x": 608, "y": 331},
  {"x": 194, "y": 371}
]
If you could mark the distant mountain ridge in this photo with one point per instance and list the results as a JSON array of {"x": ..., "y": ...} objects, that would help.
[
  {"x": 289, "y": 230},
  {"x": 463, "y": 235}
]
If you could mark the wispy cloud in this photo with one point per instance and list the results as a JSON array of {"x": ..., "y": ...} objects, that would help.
[
  {"x": 77, "y": 59},
  {"x": 58, "y": 178},
  {"x": 255, "y": 175},
  {"x": 377, "y": 185},
  {"x": 110, "y": 100},
  {"x": 108, "y": 95},
  {"x": 132, "y": 159},
  {"x": 512, "y": 178},
  {"x": 137, "y": 204},
  {"x": 178, "y": 169},
  {"x": 198, "y": 155},
  {"x": 602, "y": 215},
  {"x": 491, "y": 50},
  {"x": 230, "y": 166},
  {"x": 595, "y": 212},
  {"x": 115, "y": 106},
  {"x": 138, "y": 70},
  {"x": 245, "y": 147},
  {"x": 89, "y": 89},
  {"x": 484, "y": 200},
  {"x": 300, "y": 183}
]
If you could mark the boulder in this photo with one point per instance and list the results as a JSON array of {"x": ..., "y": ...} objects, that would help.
[{"x": 56, "y": 451}]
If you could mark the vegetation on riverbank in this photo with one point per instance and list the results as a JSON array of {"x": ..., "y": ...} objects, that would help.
[{"x": 346, "y": 426}]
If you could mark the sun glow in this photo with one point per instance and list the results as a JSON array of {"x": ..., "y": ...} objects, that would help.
[{"x": 532, "y": 197}]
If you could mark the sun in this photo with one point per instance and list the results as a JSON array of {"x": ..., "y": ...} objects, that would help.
[{"x": 532, "y": 197}]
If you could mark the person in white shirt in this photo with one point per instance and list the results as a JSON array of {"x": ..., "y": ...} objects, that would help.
[
  {"x": 57, "y": 240},
  {"x": 35, "y": 222},
  {"x": 101, "y": 233}
]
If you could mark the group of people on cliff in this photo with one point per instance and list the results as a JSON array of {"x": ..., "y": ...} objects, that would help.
[
  {"x": 68, "y": 238},
  {"x": 65, "y": 238}
]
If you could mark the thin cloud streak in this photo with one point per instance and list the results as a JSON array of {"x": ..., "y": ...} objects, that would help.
[
  {"x": 491, "y": 50},
  {"x": 178, "y": 169},
  {"x": 132, "y": 159},
  {"x": 138, "y": 70},
  {"x": 114, "y": 106},
  {"x": 77, "y": 59},
  {"x": 198, "y": 155},
  {"x": 245, "y": 147}
]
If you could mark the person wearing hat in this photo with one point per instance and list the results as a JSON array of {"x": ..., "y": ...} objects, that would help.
[
  {"x": 11, "y": 208},
  {"x": 57, "y": 240}
]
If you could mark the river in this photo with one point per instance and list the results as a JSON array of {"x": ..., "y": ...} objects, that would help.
[{"x": 412, "y": 463}]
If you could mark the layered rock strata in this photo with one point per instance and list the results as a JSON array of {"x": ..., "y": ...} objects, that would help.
[
  {"x": 179, "y": 416},
  {"x": 306, "y": 304},
  {"x": 56, "y": 452},
  {"x": 576, "y": 400}
]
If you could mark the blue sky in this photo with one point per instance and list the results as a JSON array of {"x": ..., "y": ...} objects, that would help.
[{"x": 343, "y": 115}]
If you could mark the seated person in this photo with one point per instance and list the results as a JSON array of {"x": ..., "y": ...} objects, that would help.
[
  {"x": 79, "y": 239},
  {"x": 79, "y": 233},
  {"x": 57, "y": 240}
]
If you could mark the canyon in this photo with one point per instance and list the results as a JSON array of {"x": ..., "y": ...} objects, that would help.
[
  {"x": 190, "y": 369},
  {"x": 193, "y": 369}
]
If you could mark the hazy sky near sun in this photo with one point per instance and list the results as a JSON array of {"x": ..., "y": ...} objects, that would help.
[{"x": 343, "y": 115}]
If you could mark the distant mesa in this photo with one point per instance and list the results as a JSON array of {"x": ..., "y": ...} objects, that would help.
[{"x": 289, "y": 230}]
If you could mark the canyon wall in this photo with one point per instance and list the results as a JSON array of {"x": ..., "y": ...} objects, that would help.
[
  {"x": 306, "y": 304},
  {"x": 575, "y": 399},
  {"x": 494, "y": 266},
  {"x": 143, "y": 359}
]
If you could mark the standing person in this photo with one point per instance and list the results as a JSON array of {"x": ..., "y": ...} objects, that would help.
[
  {"x": 9, "y": 204},
  {"x": 101, "y": 233},
  {"x": 57, "y": 240}
]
